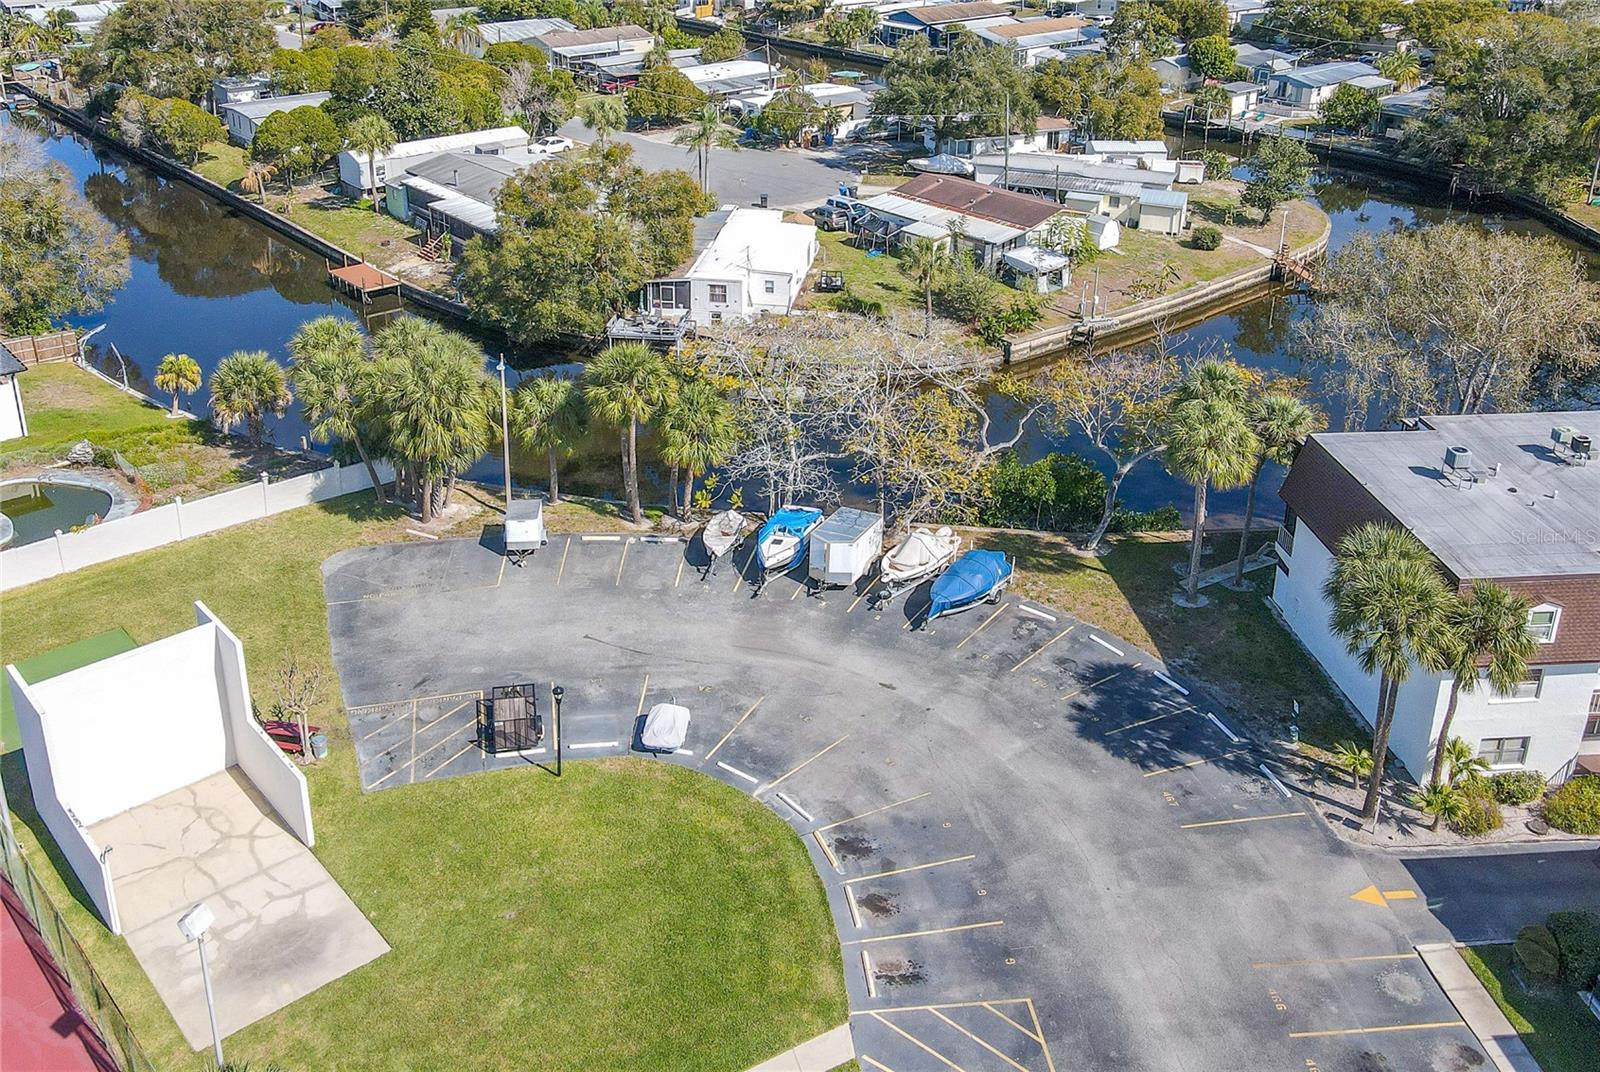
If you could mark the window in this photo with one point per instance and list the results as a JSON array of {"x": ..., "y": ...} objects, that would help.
[
  {"x": 1286, "y": 530},
  {"x": 1542, "y": 622},
  {"x": 1591, "y": 728},
  {"x": 1526, "y": 689},
  {"x": 770, "y": 286},
  {"x": 1504, "y": 751},
  {"x": 719, "y": 293}
]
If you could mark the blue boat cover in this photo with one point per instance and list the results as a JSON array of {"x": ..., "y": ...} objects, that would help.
[
  {"x": 970, "y": 578},
  {"x": 795, "y": 520}
]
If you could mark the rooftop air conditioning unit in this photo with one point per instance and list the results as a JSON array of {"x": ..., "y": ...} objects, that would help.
[
  {"x": 1563, "y": 434},
  {"x": 1581, "y": 445},
  {"x": 1457, "y": 458}
]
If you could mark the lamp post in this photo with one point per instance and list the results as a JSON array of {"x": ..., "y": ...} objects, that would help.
[
  {"x": 556, "y": 694},
  {"x": 193, "y": 924},
  {"x": 505, "y": 431}
]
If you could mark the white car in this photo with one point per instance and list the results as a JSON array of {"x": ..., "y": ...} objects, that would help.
[{"x": 552, "y": 144}]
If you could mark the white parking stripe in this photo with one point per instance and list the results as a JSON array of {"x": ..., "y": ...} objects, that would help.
[
  {"x": 602, "y": 539},
  {"x": 1171, "y": 682},
  {"x": 798, "y": 810},
  {"x": 1273, "y": 778},
  {"x": 1218, "y": 722},
  {"x": 1106, "y": 645},
  {"x": 736, "y": 772},
  {"x": 594, "y": 744},
  {"x": 1037, "y": 613}
]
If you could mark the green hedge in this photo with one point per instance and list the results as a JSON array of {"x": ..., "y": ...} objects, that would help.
[
  {"x": 1517, "y": 787},
  {"x": 1575, "y": 807}
]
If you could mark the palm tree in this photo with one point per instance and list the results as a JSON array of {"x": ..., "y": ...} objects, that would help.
[
  {"x": 257, "y": 173},
  {"x": 700, "y": 430},
  {"x": 1466, "y": 766},
  {"x": 1485, "y": 634},
  {"x": 336, "y": 383},
  {"x": 1388, "y": 603},
  {"x": 1348, "y": 756},
  {"x": 434, "y": 397},
  {"x": 1403, "y": 68},
  {"x": 246, "y": 386},
  {"x": 603, "y": 115},
  {"x": 1208, "y": 442},
  {"x": 458, "y": 29},
  {"x": 1281, "y": 422},
  {"x": 370, "y": 134},
  {"x": 625, "y": 386},
  {"x": 546, "y": 414},
  {"x": 702, "y": 134},
  {"x": 1441, "y": 802},
  {"x": 923, "y": 262},
  {"x": 178, "y": 374}
]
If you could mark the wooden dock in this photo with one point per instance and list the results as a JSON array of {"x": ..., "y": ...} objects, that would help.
[{"x": 362, "y": 280}]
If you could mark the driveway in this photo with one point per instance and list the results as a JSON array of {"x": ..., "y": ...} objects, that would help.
[
  {"x": 791, "y": 178},
  {"x": 1041, "y": 852}
]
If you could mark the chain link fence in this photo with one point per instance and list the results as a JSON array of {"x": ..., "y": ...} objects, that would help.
[{"x": 91, "y": 993}]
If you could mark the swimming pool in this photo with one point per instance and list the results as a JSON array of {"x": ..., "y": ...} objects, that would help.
[{"x": 37, "y": 508}]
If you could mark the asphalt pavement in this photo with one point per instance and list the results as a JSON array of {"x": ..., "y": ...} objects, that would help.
[{"x": 1040, "y": 851}]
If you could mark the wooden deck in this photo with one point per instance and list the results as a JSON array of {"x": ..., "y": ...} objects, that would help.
[{"x": 362, "y": 280}]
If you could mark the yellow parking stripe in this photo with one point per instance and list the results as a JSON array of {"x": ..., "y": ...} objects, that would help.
[
  {"x": 1246, "y": 819},
  {"x": 736, "y": 725},
  {"x": 979, "y": 1041},
  {"x": 908, "y": 870},
  {"x": 1434, "y": 1025},
  {"x": 874, "y": 811},
  {"x": 785, "y": 777},
  {"x": 1195, "y": 763},
  {"x": 986, "y": 621},
  {"x": 1041, "y": 648},
  {"x": 916, "y": 1041}
]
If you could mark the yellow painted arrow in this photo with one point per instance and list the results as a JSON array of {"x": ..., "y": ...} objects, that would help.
[{"x": 1374, "y": 896}]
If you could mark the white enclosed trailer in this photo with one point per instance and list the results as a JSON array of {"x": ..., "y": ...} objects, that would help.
[
  {"x": 524, "y": 528},
  {"x": 844, "y": 547}
]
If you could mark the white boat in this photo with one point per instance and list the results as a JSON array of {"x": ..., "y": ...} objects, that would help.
[
  {"x": 922, "y": 554},
  {"x": 723, "y": 532},
  {"x": 782, "y": 539}
]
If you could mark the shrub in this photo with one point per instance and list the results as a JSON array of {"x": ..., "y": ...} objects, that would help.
[
  {"x": 1577, "y": 936},
  {"x": 966, "y": 292},
  {"x": 1161, "y": 519},
  {"x": 1536, "y": 951},
  {"x": 1059, "y": 491},
  {"x": 1219, "y": 165},
  {"x": 1480, "y": 813},
  {"x": 1575, "y": 807},
  {"x": 1019, "y": 314},
  {"x": 1517, "y": 787},
  {"x": 1207, "y": 238}
]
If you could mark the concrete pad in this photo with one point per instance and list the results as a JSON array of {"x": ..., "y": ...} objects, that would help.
[
  {"x": 284, "y": 926},
  {"x": 824, "y": 1053},
  {"x": 1494, "y": 1032}
]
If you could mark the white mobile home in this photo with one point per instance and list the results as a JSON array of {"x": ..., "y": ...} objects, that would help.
[
  {"x": 1307, "y": 87},
  {"x": 244, "y": 118},
  {"x": 356, "y": 178},
  {"x": 746, "y": 261}
]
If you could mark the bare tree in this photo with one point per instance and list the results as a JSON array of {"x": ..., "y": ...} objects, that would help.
[
  {"x": 1117, "y": 400},
  {"x": 299, "y": 691}
]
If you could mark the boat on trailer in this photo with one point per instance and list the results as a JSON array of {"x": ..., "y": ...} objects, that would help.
[
  {"x": 782, "y": 540},
  {"x": 920, "y": 555},
  {"x": 975, "y": 577},
  {"x": 723, "y": 532}
]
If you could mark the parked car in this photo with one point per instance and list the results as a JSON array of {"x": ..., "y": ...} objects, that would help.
[{"x": 552, "y": 143}]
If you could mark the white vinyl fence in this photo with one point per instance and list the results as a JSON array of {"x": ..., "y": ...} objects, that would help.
[{"x": 178, "y": 520}]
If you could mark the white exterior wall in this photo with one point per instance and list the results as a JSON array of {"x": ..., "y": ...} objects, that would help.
[
  {"x": 71, "y": 837},
  {"x": 1553, "y": 723},
  {"x": 261, "y": 760},
  {"x": 701, "y": 307},
  {"x": 13, "y": 423},
  {"x": 137, "y": 725}
]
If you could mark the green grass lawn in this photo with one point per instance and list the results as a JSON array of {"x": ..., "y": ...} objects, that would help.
[
  {"x": 630, "y": 916},
  {"x": 65, "y": 404},
  {"x": 359, "y": 230},
  {"x": 876, "y": 278},
  {"x": 1562, "y": 1035},
  {"x": 222, "y": 163},
  {"x": 1234, "y": 645}
]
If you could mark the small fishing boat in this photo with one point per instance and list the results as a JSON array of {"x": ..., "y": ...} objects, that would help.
[
  {"x": 782, "y": 540},
  {"x": 922, "y": 554},
  {"x": 723, "y": 532},
  {"x": 974, "y": 577}
]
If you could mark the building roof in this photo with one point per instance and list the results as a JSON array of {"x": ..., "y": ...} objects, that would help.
[
  {"x": 513, "y": 30},
  {"x": 1141, "y": 146},
  {"x": 1035, "y": 260},
  {"x": 1536, "y": 517},
  {"x": 945, "y": 14},
  {"x": 1252, "y": 56},
  {"x": 975, "y": 199},
  {"x": 504, "y": 137},
  {"x": 733, "y": 242},
  {"x": 1046, "y": 164},
  {"x": 933, "y": 221},
  {"x": 600, "y": 35},
  {"x": 1371, "y": 81},
  {"x": 475, "y": 175},
  {"x": 1165, "y": 198},
  {"x": 1414, "y": 102},
  {"x": 1326, "y": 74},
  {"x": 10, "y": 364},
  {"x": 1034, "y": 27},
  {"x": 1236, "y": 88},
  {"x": 258, "y": 110}
]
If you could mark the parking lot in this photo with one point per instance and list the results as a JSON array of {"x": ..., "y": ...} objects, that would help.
[{"x": 1042, "y": 851}]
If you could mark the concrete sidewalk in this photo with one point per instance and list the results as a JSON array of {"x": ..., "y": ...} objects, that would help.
[
  {"x": 824, "y": 1053},
  {"x": 1499, "y": 1039}
]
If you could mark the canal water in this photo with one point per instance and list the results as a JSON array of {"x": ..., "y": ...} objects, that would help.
[{"x": 208, "y": 282}]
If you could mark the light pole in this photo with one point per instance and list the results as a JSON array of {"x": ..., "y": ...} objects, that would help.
[
  {"x": 193, "y": 924},
  {"x": 556, "y": 694},
  {"x": 505, "y": 431}
]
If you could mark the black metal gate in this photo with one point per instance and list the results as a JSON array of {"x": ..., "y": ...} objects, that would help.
[{"x": 508, "y": 719}]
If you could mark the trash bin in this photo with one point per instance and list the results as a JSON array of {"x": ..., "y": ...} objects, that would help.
[
  {"x": 319, "y": 746},
  {"x": 763, "y": 200}
]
